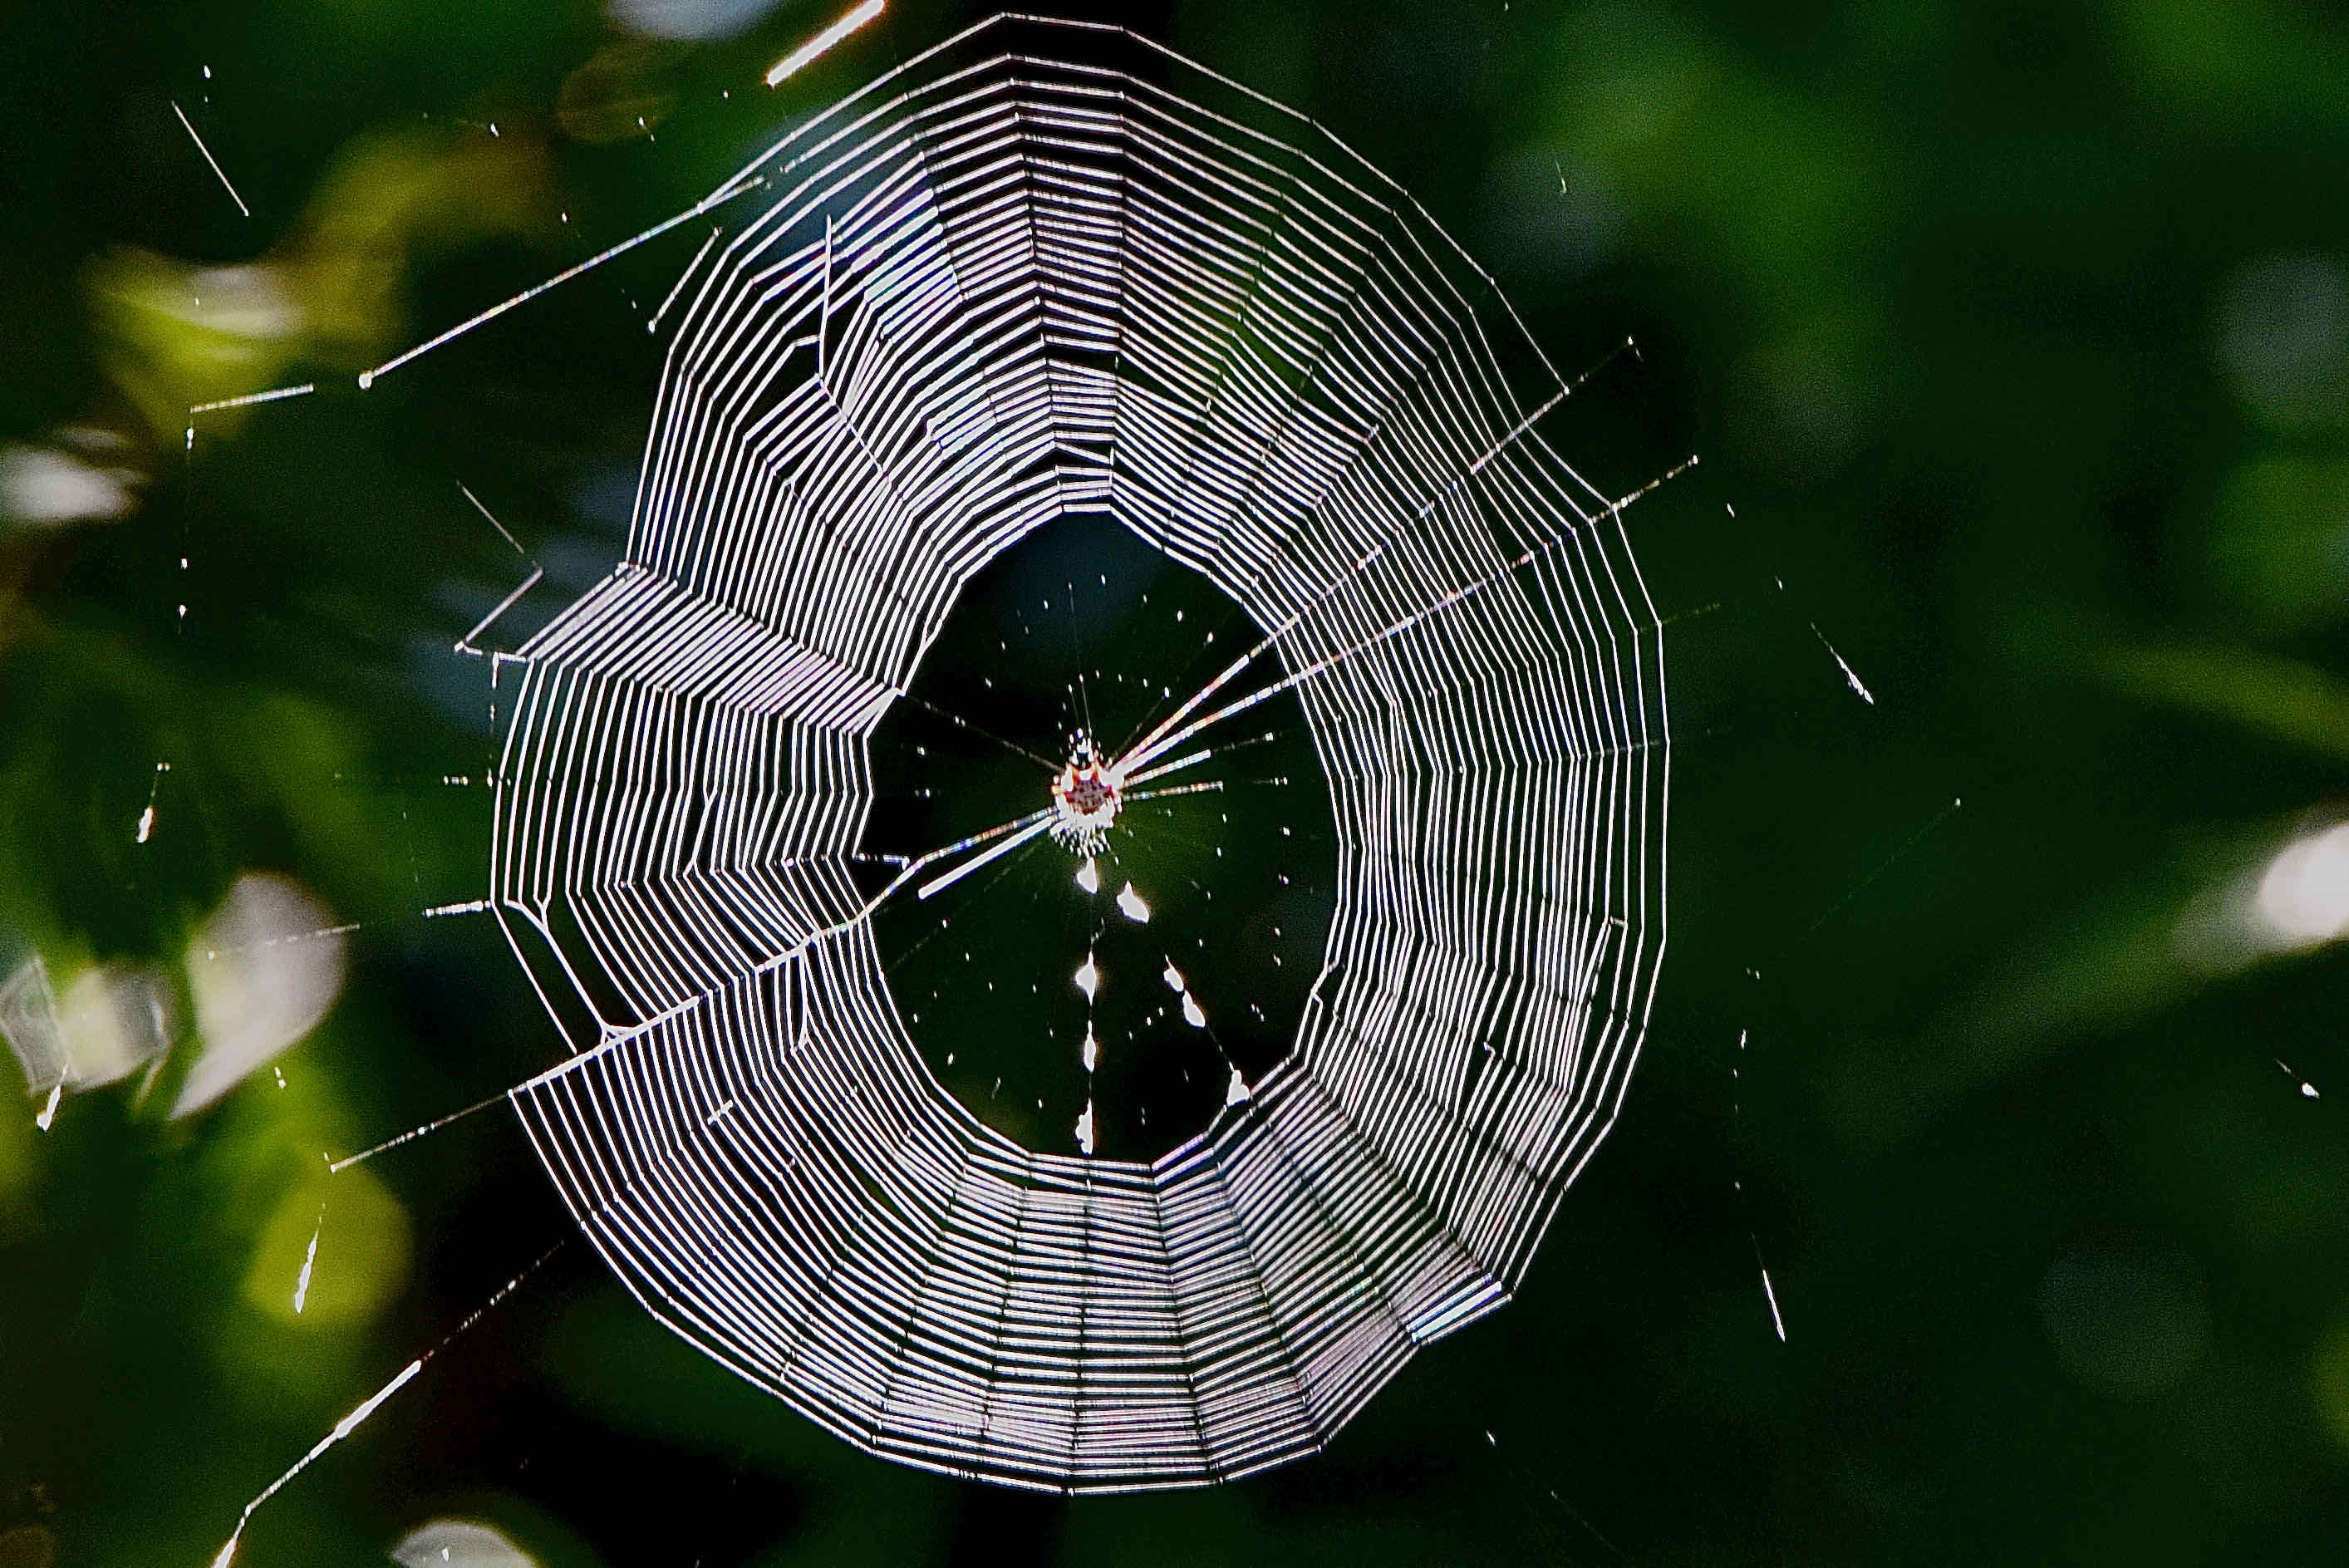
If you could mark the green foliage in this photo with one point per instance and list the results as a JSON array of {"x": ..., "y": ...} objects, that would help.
[{"x": 2017, "y": 337}]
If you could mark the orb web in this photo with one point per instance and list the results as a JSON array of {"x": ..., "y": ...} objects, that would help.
[{"x": 1047, "y": 272}]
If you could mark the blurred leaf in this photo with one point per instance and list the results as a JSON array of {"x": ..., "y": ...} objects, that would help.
[
  {"x": 363, "y": 1246},
  {"x": 2278, "y": 542},
  {"x": 2281, "y": 697}
]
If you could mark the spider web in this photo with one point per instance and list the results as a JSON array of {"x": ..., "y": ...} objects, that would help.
[
  {"x": 1021, "y": 286},
  {"x": 1043, "y": 273}
]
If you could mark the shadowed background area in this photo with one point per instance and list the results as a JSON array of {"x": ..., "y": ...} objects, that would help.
[{"x": 2006, "y": 627}]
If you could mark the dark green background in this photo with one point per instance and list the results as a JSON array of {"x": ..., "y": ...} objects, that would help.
[{"x": 2016, "y": 337}]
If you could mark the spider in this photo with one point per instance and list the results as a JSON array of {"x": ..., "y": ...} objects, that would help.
[{"x": 1084, "y": 801}]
